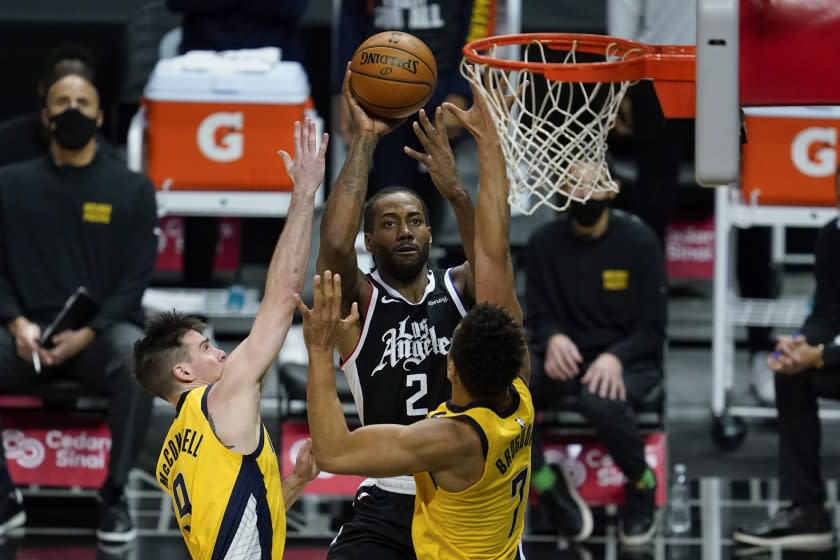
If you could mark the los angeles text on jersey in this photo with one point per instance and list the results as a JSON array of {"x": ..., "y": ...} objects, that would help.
[
  {"x": 411, "y": 344},
  {"x": 187, "y": 442},
  {"x": 517, "y": 444}
]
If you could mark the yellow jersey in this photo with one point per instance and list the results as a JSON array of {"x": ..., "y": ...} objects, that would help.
[
  {"x": 485, "y": 520},
  {"x": 227, "y": 504}
]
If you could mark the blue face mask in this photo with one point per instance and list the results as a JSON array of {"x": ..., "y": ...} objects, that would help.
[{"x": 587, "y": 214}]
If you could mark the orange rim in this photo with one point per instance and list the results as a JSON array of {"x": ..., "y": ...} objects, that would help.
[{"x": 638, "y": 60}]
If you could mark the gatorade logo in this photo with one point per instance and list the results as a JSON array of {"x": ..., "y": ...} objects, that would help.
[
  {"x": 814, "y": 151},
  {"x": 220, "y": 137}
]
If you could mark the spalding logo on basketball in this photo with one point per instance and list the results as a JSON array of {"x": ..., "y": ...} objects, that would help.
[{"x": 393, "y": 74}]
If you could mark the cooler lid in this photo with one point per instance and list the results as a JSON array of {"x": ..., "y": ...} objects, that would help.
[{"x": 232, "y": 76}]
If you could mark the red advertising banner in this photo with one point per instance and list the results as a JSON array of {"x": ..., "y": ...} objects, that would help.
[
  {"x": 293, "y": 435},
  {"x": 597, "y": 478},
  {"x": 60, "y": 450}
]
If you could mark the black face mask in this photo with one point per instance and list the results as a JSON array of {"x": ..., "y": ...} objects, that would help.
[
  {"x": 72, "y": 129},
  {"x": 587, "y": 214}
]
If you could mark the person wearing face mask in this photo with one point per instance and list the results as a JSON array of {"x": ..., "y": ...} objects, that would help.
[
  {"x": 25, "y": 136},
  {"x": 596, "y": 310},
  {"x": 76, "y": 217}
]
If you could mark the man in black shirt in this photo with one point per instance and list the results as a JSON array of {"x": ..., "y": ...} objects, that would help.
[
  {"x": 596, "y": 307},
  {"x": 76, "y": 217},
  {"x": 807, "y": 367}
]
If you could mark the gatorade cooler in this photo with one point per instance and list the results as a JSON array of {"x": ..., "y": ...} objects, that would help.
[
  {"x": 215, "y": 124},
  {"x": 790, "y": 157}
]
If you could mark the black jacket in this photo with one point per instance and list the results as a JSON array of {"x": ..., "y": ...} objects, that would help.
[
  {"x": 607, "y": 294},
  {"x": 65, "y": 227}
]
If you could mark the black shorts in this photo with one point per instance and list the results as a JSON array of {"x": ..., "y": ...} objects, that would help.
[{"x": 380, "y": 528}]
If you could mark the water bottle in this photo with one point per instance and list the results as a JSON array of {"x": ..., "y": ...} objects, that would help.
[{"x": 679, "y": 510}]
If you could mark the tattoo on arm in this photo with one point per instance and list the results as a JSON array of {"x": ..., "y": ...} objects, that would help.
[
  {"x": 213, "y": 427},
  {"x": 354, "y": 176}
]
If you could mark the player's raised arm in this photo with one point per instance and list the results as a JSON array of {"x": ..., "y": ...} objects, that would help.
[
  {"x": 440, "y": 161},
  {"x": 234, "y": 399},
  {"x": 493, "y": 266},
  {"x": 343, "y": 213},
  {"x": 375, "y": 450},
  {"x": 493, "y": 271}
]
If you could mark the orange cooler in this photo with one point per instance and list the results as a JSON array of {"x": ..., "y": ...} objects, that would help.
[
  {"x": 219, "y": 129},
  {"x": 790, "y": 157}
]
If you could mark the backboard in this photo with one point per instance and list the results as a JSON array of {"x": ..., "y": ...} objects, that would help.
[{"x": 758, "y": 53}]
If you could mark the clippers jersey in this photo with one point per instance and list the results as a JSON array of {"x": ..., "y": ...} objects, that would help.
[
  {"x": 397, "y": 372},
  {"x": 485, "y": 521},
  {"x": 227, "y": 505}
]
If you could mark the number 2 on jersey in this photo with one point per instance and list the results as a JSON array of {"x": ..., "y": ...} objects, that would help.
[
  {"x": 422, "y": 380},
  {"x": 517, "y": 486}
]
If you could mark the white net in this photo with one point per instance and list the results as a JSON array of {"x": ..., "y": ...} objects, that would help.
[{"x": 553, "y": 133}]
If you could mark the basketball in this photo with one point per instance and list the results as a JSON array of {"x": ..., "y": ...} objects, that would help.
[{"x": 394, "y": 74}]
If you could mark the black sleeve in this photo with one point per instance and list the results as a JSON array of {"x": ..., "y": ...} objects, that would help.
[
  {"x": 287, "y": 12},
  {"x": 543, "y": 320},
  {"x": 202, "y": 6},
  {"x": 141, "y": 254},
  {"x": 9, "y": 305},
  {"x": 647, "y": 334},
  {"x": 817, "y": 327},
  {"x": 831, "y": 357}
]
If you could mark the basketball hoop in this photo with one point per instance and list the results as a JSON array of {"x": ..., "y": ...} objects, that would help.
[{"x": 549, "y": 137}]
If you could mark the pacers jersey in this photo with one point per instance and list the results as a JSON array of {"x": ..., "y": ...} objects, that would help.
[
  {"x": 227, "y": 505},
  {"x": 486, "y": 520},
  {"x": 397, "y": 372}
]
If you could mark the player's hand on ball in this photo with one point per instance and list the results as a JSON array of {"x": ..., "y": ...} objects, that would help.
[
  {"x": 305, "y": 466},
  {"x": 362, "y": 122}
]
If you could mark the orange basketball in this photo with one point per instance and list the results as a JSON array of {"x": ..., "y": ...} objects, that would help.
[{"x": 393, "y": 74}]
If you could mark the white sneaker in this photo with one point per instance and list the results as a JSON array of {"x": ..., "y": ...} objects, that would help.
[{"x": 762, "y": 379}]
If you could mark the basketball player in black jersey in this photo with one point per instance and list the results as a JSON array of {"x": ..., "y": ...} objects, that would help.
[
  {"x": 394, "y": 357},
  {"x": 468, "y": 497}
]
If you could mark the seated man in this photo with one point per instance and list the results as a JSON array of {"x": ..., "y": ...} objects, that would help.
[
  {"x": 71, "y": 218},
  {"x": 806, "y": 367},
  {"x": 596, "y": 308}
]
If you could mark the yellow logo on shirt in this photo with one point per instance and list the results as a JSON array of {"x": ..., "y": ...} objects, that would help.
[
  {"x": 615, "y": 280},
  {"x": 96, "y": 212}
]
